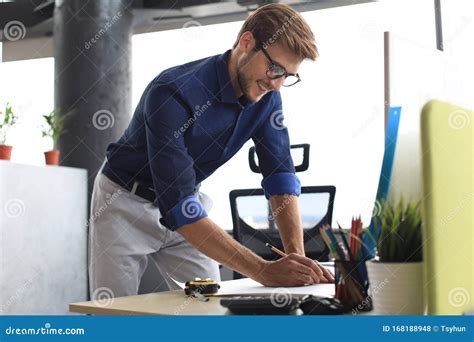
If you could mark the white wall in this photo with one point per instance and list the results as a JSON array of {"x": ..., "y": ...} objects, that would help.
[
  {"x": 419, "y": 72},
  {"x": 458, "y": 28},
  {"x": 43, "y": 239}
]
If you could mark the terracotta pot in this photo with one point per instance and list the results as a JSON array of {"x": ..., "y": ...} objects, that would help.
[
  {"x": 396, "y": 288},
  {"x": 52, "y": 157},
  {"x": 5, "y": 152}
]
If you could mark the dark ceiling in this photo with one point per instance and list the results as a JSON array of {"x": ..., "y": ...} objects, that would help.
[{"x": 153, "y": 15}]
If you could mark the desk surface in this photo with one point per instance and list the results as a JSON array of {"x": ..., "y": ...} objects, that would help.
[{"x": 177, "y": 303}]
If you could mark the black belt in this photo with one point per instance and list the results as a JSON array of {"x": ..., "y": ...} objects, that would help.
[
  {"x": 143, "y": 191},
  {"x": 135, "y": 188},
  {"x": 140, "y": 190}
]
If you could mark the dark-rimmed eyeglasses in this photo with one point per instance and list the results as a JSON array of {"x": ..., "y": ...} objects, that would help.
[{"x": 276, "y": 71}]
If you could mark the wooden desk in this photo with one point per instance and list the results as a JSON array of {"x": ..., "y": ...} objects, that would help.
[{"x": 177, "y": 303}]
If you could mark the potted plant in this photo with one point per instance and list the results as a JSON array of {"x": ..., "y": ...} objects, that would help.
[
  {"x": 396, "y": 274},
  {"x": 7, "y": 120},
  {"x": 53, "y": 129}
]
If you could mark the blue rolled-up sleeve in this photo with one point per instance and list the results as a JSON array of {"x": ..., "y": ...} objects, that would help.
[
  {"x": 171, "y": 166},
  {"x": 272, "y": 144},
  {"x": 187, "y": 210},
  {"x": 285, "y": 183}
]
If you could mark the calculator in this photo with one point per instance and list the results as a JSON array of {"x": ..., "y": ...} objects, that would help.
[
  {"x": 283, "y": 305},
  {"x": 263, "y": 304}
]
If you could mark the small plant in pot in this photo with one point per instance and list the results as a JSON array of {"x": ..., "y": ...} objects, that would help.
[
  {"x": 7, "y": 120},
  {"x": 396, "y": 274},
  {"x": 53, "y": 129}
]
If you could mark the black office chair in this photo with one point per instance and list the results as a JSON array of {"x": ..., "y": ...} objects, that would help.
[{"x": 253, "y": 220}]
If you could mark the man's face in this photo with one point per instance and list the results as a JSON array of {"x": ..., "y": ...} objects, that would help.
[{"x": 252, "y": 69}]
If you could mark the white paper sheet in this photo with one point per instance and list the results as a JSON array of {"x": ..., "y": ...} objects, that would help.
[
  {"x": 180, "y": 284},
  {"x": 248, "y": 286}
]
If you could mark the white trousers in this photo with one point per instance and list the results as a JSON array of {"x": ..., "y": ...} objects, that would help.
[{"x": 124, "y": 229}]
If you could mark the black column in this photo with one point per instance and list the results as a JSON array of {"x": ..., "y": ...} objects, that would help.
[{"x": 92, "y": 43}]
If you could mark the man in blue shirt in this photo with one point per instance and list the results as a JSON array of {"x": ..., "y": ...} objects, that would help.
[{"x": 190, "y": 120}]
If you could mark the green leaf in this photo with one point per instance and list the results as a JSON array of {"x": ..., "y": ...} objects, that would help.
[{"x": 400, "y": 235}]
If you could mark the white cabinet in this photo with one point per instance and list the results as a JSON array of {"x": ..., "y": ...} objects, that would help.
[{"x": 43, "y": 238}]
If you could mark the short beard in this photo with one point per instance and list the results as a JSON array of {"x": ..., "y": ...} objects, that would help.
[{"x": 244, "y": 82}]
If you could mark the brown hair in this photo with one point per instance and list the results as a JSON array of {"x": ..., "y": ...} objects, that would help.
[{"x": 279, "y": 23}]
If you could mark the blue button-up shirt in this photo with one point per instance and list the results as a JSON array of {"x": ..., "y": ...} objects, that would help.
[{"x": 187, "y": 124}]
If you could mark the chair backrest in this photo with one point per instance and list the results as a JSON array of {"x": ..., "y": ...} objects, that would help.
[
  {"x": 447, "y": 153},
  {"x": 253, "y": 220},
  {"x": 293, "y": 149}
]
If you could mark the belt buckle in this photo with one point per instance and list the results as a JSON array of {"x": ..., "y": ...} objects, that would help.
[{"x": 134, "y": 188}]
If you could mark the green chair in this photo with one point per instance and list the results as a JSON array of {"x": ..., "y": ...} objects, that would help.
[{"x": 447, "y": 154}]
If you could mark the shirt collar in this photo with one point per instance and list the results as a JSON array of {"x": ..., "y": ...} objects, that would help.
[{"x": 226, "y": 90}]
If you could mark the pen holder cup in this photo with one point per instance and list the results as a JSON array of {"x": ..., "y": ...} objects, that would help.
[{"x": 352, "y": 285}]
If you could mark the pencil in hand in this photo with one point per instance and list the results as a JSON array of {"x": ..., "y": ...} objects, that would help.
[{"x": 276, "y": 250}]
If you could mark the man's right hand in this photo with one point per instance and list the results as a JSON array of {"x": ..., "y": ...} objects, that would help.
[{"x": 292, "y": 270}]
